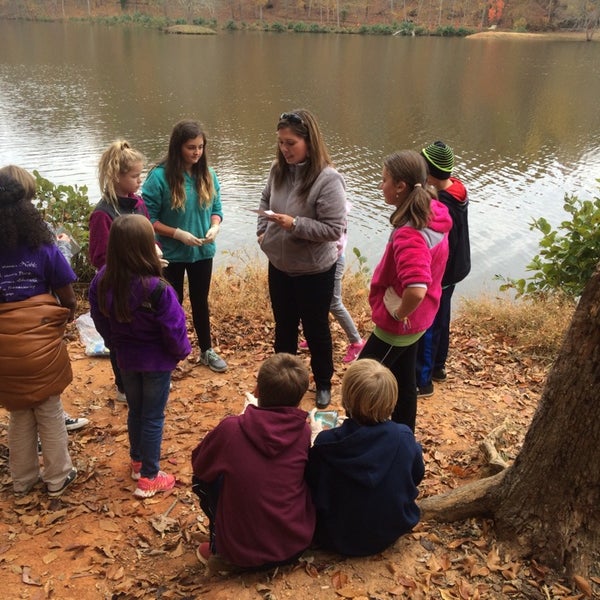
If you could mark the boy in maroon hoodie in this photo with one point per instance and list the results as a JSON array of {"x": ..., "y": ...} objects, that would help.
[{"x": 249, "y": 473}]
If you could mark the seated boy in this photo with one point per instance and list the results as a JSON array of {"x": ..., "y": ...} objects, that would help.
[
  {"x": 249, "y": 473},
  {"x": 364, "y": 474}
]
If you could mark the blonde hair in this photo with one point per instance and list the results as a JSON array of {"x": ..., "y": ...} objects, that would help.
[
  {"x": 369, "y": 392},
  {"x": 410, "y": 167},
  {"x": 25, "y": 178},
  {"x": 118, "y": 159},
  {"x": 282, "y": 381}
]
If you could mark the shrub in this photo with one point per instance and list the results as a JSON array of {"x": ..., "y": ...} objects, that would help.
[
  {"x": 567, "y": 260},
  {"x": 68, "y": 207}
]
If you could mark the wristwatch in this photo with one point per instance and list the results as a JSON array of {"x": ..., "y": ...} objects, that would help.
[{"x": 294, "y": 223}]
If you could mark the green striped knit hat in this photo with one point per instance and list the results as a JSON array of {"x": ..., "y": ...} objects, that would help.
[{"x": 440, "y": 159}]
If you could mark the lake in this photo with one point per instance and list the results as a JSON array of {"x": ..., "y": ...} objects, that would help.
[{"x": 521, "y": 115}]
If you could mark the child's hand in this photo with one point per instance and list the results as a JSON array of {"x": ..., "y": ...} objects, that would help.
[{"x": 250, "y": 399}]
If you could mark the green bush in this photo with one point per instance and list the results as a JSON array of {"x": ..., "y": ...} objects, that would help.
[
  {"x": 68, "y": 207},
  {"x": 568, "y": 255}
]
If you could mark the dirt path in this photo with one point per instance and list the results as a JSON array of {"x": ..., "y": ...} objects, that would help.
[{"x": 99, "y": 542}]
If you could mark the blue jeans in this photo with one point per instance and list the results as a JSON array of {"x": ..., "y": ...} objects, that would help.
[
  {"x": 337, "y": 308},
  {"x": 433, "y": 347},
  {"x": 147, "y": 395}
]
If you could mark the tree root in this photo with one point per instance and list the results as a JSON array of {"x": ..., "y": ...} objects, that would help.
[{"x": 488, "y": 447}]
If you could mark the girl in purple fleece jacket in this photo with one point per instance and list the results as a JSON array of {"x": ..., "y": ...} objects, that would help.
[
  {"x": 406, "y": 285},
  {"x": 139, "y": 315}
]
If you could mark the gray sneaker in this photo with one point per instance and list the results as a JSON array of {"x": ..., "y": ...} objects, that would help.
[{"x": 212, "y": 360}]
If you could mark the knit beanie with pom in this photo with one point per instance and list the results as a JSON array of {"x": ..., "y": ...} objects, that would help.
[{"x": 440, "y": 159}]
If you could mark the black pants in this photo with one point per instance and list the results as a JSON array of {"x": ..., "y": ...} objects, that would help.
[
  {"x": 304, "y": 298},
  {"x": 400, "y": 360},
  {"x": 199, "y": 274}
]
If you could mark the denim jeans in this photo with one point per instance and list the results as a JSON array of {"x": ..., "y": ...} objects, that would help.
[
  {"x": 433, "y": 346},
  {"x": 337, "y": 308},
  {"x": 147, "y": 395},
  {"x": 48, "y": 420}
]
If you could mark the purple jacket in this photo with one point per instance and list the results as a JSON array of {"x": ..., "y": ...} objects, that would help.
[
  {"x": 155, "y": 339},
  {"x": 264, "y": 512},
  {"x": 412, "y": 256},
  {"x": 101, "y": 219}
]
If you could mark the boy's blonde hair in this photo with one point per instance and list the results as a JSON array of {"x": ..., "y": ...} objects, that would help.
[
  {"x": 369, "y": 392},
  {"x": 282, "y": 381}
]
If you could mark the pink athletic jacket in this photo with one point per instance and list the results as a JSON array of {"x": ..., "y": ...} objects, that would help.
[{"x": 412, "y": 256}]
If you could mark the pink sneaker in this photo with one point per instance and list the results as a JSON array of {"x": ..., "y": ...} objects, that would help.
[
  {"x": 204, "y": 550},
  {"x": 353, "y": 351},
  {"x": 146, "y": 488},
  {"x": 303, "y": 345},
  {"x": 136, "y": 468}
]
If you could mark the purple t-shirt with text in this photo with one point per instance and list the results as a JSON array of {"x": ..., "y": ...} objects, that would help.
[{"x": 27, "y": 272}]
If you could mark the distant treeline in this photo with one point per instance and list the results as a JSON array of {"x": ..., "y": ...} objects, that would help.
[{"x": 358, "y": 16}]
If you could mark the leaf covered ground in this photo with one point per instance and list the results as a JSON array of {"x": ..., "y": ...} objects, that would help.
[{"x": 99, "y": 542}]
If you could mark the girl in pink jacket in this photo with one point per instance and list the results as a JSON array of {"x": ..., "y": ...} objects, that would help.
[{"x": 406, "y": 285}]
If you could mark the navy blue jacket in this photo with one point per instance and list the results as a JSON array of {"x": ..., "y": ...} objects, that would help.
[{"x": 363, "y": 480}]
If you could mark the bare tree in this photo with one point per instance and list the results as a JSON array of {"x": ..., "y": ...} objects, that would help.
[{"x": 545, "y": 505}]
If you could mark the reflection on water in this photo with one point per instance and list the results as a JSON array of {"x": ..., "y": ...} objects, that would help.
[{"x": 522, "y": 117}]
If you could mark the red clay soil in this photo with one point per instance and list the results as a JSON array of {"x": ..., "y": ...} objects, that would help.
[{"x": 98, "y": 541}]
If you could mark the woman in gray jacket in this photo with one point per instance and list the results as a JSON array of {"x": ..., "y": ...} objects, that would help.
[{"x": 302, "y": 215}]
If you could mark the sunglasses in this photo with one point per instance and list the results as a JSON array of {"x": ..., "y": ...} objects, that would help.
[{"x": 291, "y": 118}]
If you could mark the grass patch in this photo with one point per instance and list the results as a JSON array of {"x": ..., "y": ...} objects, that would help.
[
  {"x": 530, "y": 327},
  {"x": 189, "y": 29},
  {"x": 527, "y": 329}
]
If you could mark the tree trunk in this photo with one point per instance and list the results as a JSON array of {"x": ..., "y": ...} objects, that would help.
[{"x": 547, "y": 503}]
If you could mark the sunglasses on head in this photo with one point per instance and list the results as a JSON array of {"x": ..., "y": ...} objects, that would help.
[{"x": 291, "y": 118}]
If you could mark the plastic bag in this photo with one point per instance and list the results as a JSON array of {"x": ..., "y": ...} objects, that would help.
[{"x": 90, "y": 338}]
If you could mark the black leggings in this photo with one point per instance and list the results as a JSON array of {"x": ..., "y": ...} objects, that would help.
[
  {"x": 199, "y": 274},
  {"x": 305, "y": 298},
  {"x": 401, "y": 361}
]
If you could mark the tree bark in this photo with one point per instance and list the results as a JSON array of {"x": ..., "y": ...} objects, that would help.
[{"x": 547, "y": 504}]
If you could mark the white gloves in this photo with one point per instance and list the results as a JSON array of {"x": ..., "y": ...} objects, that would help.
[
  {"x": 392, "y": 302},
  {"x": 187, "y": 238},
  {"x": 211, "y": 234}
]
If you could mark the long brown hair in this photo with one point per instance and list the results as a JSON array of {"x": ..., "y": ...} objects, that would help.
[
  {"x": 130, "y": 254},
  {"x": 410, "y": 167},
  {"x": 175, "y": 170},
  {"x": 303, "y": 124}
]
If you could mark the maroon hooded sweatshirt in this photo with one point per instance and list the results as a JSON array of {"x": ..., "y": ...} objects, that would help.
[{"x": 264, "y": 512}]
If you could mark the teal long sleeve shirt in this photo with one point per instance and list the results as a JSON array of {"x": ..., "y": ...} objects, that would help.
[{"x": 192, "y": 217}]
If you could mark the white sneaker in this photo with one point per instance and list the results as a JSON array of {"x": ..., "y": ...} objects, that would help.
[
  {"x": 120, "y": 397},
  {"x": 74, "y": 423}
]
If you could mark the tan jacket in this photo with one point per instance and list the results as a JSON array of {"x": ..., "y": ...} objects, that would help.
[{"x": 34, "y": 362}]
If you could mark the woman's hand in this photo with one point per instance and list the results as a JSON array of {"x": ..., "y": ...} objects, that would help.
[
  {"x": 284, "y": 221},
  {"x": 211, "y": 234},
  {"x": 187, "y": 238}
]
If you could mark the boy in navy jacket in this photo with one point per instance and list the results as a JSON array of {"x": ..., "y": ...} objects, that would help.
[{"x": 364, "y": 474}]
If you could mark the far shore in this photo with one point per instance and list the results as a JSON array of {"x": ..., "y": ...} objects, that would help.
[{"x": 554, "y": 36}]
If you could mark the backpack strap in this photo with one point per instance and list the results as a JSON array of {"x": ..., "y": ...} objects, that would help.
[{"x": 156, "y": 294}]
